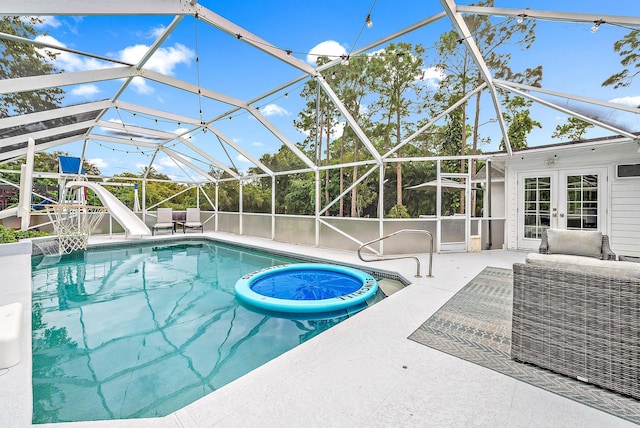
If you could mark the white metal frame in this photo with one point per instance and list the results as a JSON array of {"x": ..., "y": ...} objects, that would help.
[{"x": 179, "y": 9}]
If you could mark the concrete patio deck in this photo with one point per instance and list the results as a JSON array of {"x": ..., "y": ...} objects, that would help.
[{"x": 363, "y": 372}]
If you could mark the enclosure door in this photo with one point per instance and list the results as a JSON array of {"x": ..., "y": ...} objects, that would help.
[{"x": 565, "y": 199}]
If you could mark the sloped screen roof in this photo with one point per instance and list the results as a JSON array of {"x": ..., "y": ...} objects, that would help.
[{"x": 50, "y": 126}]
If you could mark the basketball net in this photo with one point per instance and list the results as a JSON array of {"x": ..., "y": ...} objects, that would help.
[{"x": 73, "y": 224}]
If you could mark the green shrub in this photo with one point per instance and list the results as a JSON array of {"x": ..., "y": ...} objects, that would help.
[
  {"x": 9, "y": 235},
  {"x": 398, "y": 211}
]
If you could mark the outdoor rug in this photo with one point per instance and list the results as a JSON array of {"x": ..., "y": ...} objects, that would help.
[{"x": 475, "y": 325}]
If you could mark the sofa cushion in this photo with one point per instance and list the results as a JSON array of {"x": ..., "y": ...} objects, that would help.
[
  {"x": 586, "y": 243},
  {"x": 588, "y": 265}
]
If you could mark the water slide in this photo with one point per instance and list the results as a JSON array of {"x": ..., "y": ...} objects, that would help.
[
  {"x": 128, "y": 220},
  {"x": 9, "y": 212}
]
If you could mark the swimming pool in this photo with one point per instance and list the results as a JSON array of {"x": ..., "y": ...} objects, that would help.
[{"x": 141, "y": 331}]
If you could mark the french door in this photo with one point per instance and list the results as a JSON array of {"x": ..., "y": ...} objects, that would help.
[{"x": 564, "y": 199}]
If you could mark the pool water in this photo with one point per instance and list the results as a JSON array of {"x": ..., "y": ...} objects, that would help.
[{"x": 142, "y": 331}]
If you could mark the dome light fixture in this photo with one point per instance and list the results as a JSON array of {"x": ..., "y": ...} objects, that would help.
[{"x": 596, "y": 25}]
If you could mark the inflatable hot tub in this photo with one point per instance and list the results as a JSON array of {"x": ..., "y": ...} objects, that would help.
[{"x": 306, "y": 288}]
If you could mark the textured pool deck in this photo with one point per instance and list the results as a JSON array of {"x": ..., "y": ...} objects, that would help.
[{"x": 363, "y": 372}]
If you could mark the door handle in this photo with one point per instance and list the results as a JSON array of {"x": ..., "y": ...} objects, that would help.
[{"x": 561, "y": 214}]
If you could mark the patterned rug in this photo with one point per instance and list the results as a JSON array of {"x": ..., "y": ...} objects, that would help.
[{"x": 475, "y": 325}]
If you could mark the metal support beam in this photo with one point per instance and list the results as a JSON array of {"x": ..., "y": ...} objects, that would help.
[
  {"x": 551, "y": 16},
  {"x": 246, "y": 37},
  {"x": 89, "y": 8},
  {"x": 607, "y": 104},
  {"x": 34, "y": 83},
  {"x": 571, "y": 112}
]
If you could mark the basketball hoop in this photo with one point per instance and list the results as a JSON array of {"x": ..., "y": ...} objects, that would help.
[{"x": 73, "y": 224}]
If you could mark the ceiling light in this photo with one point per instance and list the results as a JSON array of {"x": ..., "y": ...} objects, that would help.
[
  {"x": 369, "y": 21},
  {"x": 521, "y": 18},
  {"x": 596, "y": 25}
]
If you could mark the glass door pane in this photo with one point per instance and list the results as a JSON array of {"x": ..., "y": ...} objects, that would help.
[
  {"x": 582, "y": 202},
  {"x": 537, "y": 206}
]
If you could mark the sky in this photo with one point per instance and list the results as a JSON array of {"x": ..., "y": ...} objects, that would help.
[{"x": 574, "y": 59}]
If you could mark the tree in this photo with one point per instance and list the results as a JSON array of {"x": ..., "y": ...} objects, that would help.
[
  {"x": 399, "y": 69},
  {"x": 463, "y": 74},
  {"x": 629, "y": 49},
  {"x": 283, "y": 160},
  {"x": 520, "y": 123},
  {"x": 353, "y": 82},
  {"x": 318, "y": 119},
  {"x": 573, "y": 130},
  {"x": 19, "y": 59}
]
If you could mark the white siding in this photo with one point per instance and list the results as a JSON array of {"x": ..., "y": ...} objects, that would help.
[
  {"x": 621, "y": 221},
  {"x": 511, "y": 198},
  {"x": 625, "y": 216}
]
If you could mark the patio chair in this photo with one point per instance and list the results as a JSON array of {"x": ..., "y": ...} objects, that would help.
[
  {"x": 193, "y": 220},
  {"x": 164, "y": 220}
]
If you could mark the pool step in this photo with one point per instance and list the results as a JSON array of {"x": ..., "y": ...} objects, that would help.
[{"x": 389, "y": 286}]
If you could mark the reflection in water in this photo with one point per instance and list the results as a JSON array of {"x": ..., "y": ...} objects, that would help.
[{"x": 143, "y": 331}]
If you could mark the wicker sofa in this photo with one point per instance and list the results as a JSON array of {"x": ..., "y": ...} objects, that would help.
[{"x": 579, "y": 315}]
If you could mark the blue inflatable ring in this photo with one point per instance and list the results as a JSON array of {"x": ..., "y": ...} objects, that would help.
[{"x": 306, "y": 288}]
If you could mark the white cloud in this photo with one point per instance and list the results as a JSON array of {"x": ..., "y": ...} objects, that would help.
[
  {"x": 115, "y": 120},
  {"x": 155, "y": 32},
  {"x": 99, "y": 162},
  {"x": 166, "y": 161},
  {"x": 433, "y": 76},
  {"x": 140, "y": 86},
  {"x": 337, "y": 130},
  {"x": 164, "y": 60},
  {"x": 242, "y": 158},
  {"x": 629, "y": 101},
  {"x": 49, "y": 21},
  {"x": 329, "y": 48},
  {"x": 274, "y": 110},
  {"x": 180, "y": 131},
  {"x": 257, "y": 144},
  {"x": 68, "y": 61},
  {"x": 85, "y": 91}
]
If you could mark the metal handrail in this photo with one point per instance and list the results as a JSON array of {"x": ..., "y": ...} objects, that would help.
[{"x": 402, "y": 257}]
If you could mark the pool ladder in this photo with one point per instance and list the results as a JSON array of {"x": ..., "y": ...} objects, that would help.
[{"x": 402, "y": 257}]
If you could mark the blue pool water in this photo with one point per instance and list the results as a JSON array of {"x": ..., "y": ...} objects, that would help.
[{"x": 142, "y": 331}]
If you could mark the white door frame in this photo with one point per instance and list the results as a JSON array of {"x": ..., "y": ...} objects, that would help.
[{"x": 558, "y": 200}]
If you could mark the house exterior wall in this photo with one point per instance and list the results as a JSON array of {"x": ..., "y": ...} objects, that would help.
[
  {"x": 625, "y": 216},
  {"x": 621, "y": 196}
]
